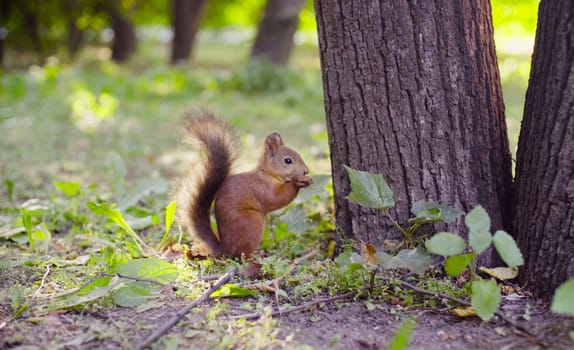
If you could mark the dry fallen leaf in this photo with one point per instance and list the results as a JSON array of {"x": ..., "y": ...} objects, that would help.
[
  {"x": 368, "y": 254},
  {"x": 501, "y": 273},
  {"x": 389, "y": 244},
  {"x": 508, "y": 290},
  {"x": 464, "y": 311}
]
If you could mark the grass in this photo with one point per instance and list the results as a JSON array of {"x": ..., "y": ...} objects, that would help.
[{"x": 64, "y": 121}]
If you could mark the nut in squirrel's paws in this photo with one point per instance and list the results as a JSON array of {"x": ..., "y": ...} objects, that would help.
[{"x": 303, "y": 181}]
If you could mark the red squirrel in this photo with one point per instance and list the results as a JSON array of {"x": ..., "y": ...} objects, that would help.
[{"x": 242, "y": 200}]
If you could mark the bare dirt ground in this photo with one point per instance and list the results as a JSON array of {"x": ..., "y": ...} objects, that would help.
[
  {"x": 435, "y": 329},
  {"x": 347, "y": 324}
]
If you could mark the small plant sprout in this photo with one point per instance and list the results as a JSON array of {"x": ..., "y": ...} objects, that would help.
[{"x": 371, "y": 190}]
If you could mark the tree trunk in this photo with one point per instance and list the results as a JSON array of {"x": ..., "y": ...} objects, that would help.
[
  {"x": 30, "y": 14},
  {"x": 125, "y": 40},
  {"x": 412, "y": 91},
  {"x": 187, "y": 18},
  {"x": 544, "y": 189},
  {"x": 274, "y": 39},
  {"x": 4, "y": 8},
  {"x": 75, "y": 38},
  {"x": 2, "y": 45}
]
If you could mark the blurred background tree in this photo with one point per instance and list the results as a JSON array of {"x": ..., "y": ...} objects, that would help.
[
  {"x": 187, "y": 16},
  {"x": 125, "y": 40},
  {"x": 34, "y": 30},
  {"x": 274, "y": 39},
  {"x": 68, "y": 50}
]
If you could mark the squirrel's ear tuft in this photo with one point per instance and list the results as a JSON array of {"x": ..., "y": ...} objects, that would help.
[{"x": 272, "y": 142}]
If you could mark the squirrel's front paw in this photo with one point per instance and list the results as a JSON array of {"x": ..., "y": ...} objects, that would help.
[{"x": 303, "y": 181}]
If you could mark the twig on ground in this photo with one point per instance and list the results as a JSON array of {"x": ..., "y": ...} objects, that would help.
[
  {"x": 138, "y": 279},
  {"x": 307, "y": 256},
  {"x": 178, "y": 316},
  {"x": 266, "y": 286},
  {"x": 205, "y": 279},
  {"x": 502, "y": 316},
  {"x": 436, "y": 295},
  {"x": 37, "y": 292},
  {"x": 284, "y": 311}
]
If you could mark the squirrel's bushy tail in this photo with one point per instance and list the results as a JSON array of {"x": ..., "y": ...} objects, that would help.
[{"x": 195, "y": 192}]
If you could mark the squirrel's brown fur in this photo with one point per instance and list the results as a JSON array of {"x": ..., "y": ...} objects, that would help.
[{"x": 241, "y": 200}]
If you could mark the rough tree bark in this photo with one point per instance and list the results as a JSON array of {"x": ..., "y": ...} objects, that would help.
[
  {"x": 125, "y": 40},
  {"x": 274, "y": 40},
  {"x": 187, "y": 16},
  {"x": 544, "y": 188},
  {"x": 412, "y": 91}
]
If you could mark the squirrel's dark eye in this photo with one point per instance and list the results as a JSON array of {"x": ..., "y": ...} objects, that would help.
[{"x": 288, "y": 160}]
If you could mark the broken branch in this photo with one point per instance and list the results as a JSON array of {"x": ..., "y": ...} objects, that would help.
[{"x": 178, "y": 316}]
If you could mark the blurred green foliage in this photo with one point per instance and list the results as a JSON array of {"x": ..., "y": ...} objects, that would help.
[
  {"x": 514, "y": 18},
  {"x": 43, "y": 26},
  {"x": 95, "y": 105},
  {"x": 63, "y": 120}
]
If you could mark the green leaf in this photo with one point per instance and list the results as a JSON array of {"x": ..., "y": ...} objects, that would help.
[
  {"x": 370, "y": 190},
  {"x": 113, "y": 214},
  {"x": 455, "y": 264},
  {"x": 479, "y": 240},
  {"x": 116, "y": 216},
  {"x": 133, "y": 248},
  {"x": 99, "y": 288},
  {"x": 416, "y": 260},
  {"x": 485, "y": 298},
  {"x": 151, "y": 268},
  {"x": 478, "y": 223},
  {"x": 232, "y": 290},
  {"x": 18, "y": 302},
  {"x": 446, "y": 244},
  {"x": 9, "y": 188},
  {"x": 134, "y": 294},
  {"x": 507, "y": 248},
  {"x": 563, "y": 301},
  {"x": 26, "y": 218},
  {"x": 384, "y": 259},
  {"x": 280, "y": 233},
  {"x": 41, "y": 238},
  {"x": 349, "y": 261},
  {"x": 70, "y": 189},
  {"x": 169, "y": 216},
  {"x": 477, "y": 220},
  {"x": 431, "y": 211},
  {"x": 170, "y": 211},
  {"x": 112, "y": 258},
  {"x": 402, "y": 336},
  {"x": 296, "y": 219}
]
